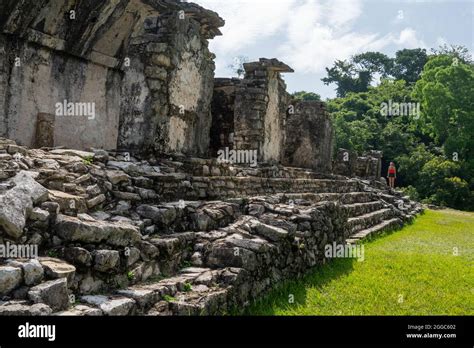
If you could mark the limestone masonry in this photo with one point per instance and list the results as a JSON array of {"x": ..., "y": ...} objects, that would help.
[{"x": 111, "y": 128}]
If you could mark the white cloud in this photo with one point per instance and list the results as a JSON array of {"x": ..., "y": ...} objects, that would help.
[
  {"x": 319, "y": 33},
  {"x": 309, "y": 35},
  {"x": 248, "y": 21},
  {"x": 341, "y": 13},
  {"x": 408, "y": 39}
]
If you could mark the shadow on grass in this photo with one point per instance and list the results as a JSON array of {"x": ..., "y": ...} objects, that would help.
[{"x": 293, "y": 293}]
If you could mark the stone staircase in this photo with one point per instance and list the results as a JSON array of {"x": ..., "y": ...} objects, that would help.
[{"x": 131, "y": 238}]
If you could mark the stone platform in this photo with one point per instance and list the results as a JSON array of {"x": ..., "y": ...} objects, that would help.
[{"x": 176, "y": 236}]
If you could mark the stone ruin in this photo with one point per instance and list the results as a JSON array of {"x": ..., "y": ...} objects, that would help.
[
  {"x": 145, "y": 64},
  {"x": 130, "y": 211}
]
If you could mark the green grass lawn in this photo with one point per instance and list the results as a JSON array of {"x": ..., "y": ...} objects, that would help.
[{"x": 412, "y": 271}]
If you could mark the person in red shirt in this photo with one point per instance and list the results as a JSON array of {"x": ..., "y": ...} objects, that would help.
[{"x": 391, "y": 175}]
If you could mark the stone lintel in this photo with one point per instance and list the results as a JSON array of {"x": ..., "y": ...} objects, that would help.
[{"x": 267, "y": 64}]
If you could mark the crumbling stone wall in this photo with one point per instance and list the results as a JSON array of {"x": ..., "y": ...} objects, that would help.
[
  {"x": 255, "y": 114},
  {"x": 260, "y": 109},
  {"x": 367, "y": 166},
  {"x": 309, "y": 137},
  {"x": 145, "y": 65},
  {"x": 177, "y": 67}
]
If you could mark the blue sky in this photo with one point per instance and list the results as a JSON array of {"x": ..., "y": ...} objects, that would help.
[{"x": 309, "y": 35}]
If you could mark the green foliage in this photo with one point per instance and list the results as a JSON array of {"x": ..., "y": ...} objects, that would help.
[
  {"x": 88, "y": 160},
  {"x": 434, "y": 151},
  {"x": 303, "y": 95},
  {"x": 187, "y": 287},
  {"x": 169, "y": 298},
  {"x": 359, "y": 125},
  {"x": 356, "y": 74},
  {"x": 408, "y": 64},
  {"x": 375, "y": 62},
  {"x": 411, "y": 163},
  {"x": 455, "y": 51},
  {"x": 130, "y": 275},
  {"x": 446, "y": 91},
  {"x": 411, "y": 192},
  {"x": 347, "y": 78},
  {"x": 440, "y": 184}
]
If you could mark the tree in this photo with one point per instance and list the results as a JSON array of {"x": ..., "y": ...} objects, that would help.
[
  {"x": 374, "y": 62},
  {"x": 441, "y": 184},
  {"x": 392, "y": 135},
  {"x": 411, "y": 163},
  {"x": 357, "y": 74},
  {"x": 408, "y": 64},
  {"x": 457, "y": 51},
  {"x": 347, "y": 78},
  {"x": 446, "y": 92}
]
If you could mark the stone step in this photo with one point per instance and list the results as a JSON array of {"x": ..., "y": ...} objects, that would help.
[
  {"x": 383, "y": 226},
  {"x": 181, "y": 216},
  {"x": 367, "y": 220},
  {"x": 358, "y": 209},
  {"x": 344, "y": 198},
  {"x": 193, "y": 291},
  {"x": 88, "y": 230},
  {"x": 110, "y": 305},
  {"x": 199, "y": 300},
  {"x": 207, "y": 188}
]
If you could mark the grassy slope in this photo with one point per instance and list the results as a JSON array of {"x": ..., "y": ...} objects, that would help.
[{"x": 409, "y": 272}]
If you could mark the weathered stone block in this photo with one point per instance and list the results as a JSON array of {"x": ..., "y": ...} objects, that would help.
[{"x": 53, "y": 293}]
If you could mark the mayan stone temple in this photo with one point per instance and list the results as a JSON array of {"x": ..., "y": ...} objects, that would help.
[{"x": 111, "y": 126}]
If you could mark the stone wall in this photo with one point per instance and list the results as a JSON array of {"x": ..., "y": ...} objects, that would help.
[
  {"x": 171, "y": 113},
  {"x": 367, "y": 166},
  {"x": 309, "y": 137},
  {"x": 44, "y": 79}
]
